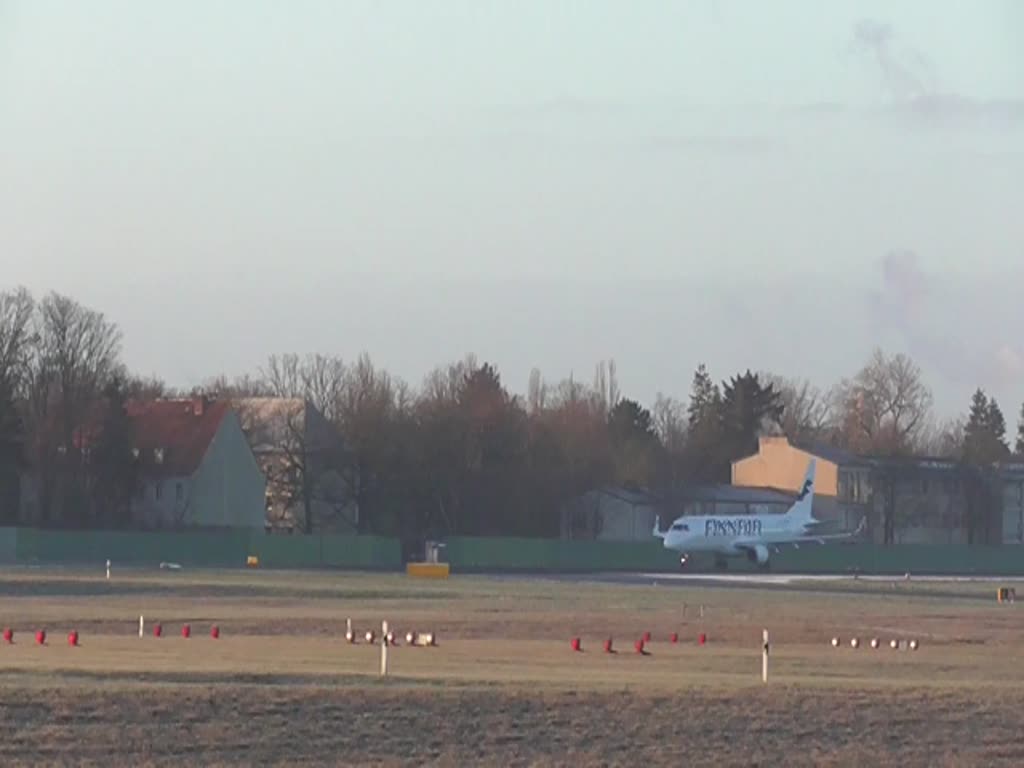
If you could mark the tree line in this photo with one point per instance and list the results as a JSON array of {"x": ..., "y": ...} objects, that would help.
[{"x": 460, "y": 453}]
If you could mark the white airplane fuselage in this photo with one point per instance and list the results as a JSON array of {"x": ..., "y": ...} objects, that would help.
[
  {"x": 720, "y": 534},
  {"x": 752, "y": 536}
]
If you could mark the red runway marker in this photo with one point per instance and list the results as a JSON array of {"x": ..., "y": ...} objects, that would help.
[
  {"x": 8, "y": 636},
  {"x": 157, "y": 630},
  {"x": 186, "y": 631},
  {"x": 214, "y": 631},
  {"x": 73, "y": 637},
  {"x": 576, "y": 644},
  {"x": 41, "y": 637}
]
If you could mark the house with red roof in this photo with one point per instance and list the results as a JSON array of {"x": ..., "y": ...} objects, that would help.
[{"x": 196, "y": 466}]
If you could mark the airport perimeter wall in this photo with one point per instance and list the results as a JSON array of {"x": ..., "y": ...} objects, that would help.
[
  {"x": 203, "y": 549},
  {"x": 466, "y": 554},
  {"x": 475, "y": 554}
]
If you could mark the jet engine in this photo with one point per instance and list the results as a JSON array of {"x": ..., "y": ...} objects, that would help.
[{"x": 759, "y": 554}]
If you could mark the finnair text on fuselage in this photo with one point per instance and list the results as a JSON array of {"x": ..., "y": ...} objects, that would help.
[{"x": 741, "y": 526}]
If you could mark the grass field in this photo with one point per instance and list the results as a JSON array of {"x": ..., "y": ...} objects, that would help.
[{"x": 281, "y": 686}]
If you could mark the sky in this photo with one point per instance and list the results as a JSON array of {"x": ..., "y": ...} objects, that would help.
[{"x": 776, "y": 186}]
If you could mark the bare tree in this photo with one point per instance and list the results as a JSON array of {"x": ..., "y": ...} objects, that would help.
[
  {"x": 221, "y": 386},
  {"x": 17, "y": 342},
  {"x": 670, "y": 423},
  {"x": 671, "y": 426},
  {"x": 885, "y": 407},
  {"x": 806, "y": 411},
  {"x": 323, "y": 380},
  {"x": 77, "y": 356},
  {"x": 147, "y": 388},
  {"x": 942, "y": 440},
  {"x": 283, "y": 375},
  {"x": 537, "y": 393},
  {"x": 367, "y": 410},
  {"x": 606, "y": 386},
  {"x": 319, "y": 379},
  {"x": 17, "y": 338}
]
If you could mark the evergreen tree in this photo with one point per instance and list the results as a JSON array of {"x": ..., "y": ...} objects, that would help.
[
  {"x": 748, "y": 407},
  {"x": 984, "y": 445},
  {"x": 985, "y": 433},
  {"x": 705, "y": 398},
  {"x": 997, "y": 428},
  {"x": 634, "y": 444},
  {"x": 703, "y": 455},
  {"x": 629, "y": 420}
]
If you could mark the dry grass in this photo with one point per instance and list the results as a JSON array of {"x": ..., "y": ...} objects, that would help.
[{"x": 282, "y": 687}]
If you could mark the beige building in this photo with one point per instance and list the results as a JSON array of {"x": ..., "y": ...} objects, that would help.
[
  {"x": 620, "y": 514},
  {"x": 926, "y": 497},
  {"x": 842, "y": 484},
  {"x": 300, "y": 453}
]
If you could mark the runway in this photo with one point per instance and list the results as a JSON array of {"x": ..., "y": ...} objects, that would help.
[{"x": 792, "y": 581}]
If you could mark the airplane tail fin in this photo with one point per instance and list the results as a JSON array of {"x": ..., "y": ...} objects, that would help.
[{"x": 802, "y": 507}]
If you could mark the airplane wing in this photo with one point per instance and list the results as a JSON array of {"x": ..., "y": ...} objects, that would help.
[{"x": 796, "y": 541}]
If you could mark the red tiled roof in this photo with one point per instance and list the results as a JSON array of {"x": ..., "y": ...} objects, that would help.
[{"x": 175, "y": 427}]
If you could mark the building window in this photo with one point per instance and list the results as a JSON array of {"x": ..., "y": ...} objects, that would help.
[
  {"x": 158, "y": 490},
  {"x": 179, "y": 491}
]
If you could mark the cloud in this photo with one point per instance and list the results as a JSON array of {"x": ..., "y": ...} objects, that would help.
[
  {"x": 902, "y": 305},
  {"x": 905, "y": 289},
  {"x": 1011, "y": 361},
  {"x": 727, "y": 145},
  {"x": 904, "y": 76},
  {"x": 914, "y": 304},
  {"x": 914, "y": 89}
]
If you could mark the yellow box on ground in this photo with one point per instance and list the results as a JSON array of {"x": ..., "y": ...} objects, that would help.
[{"x": 427, "y": 570}]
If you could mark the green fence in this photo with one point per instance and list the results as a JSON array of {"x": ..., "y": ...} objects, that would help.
[
  {"x": 469, "y": 554},
  {"x": 296, "y": 551},
  {"x": 205, "y": 549},
  {"x": 1007, "y": 560},
  {"x": 500, "y": 554},
  {"x": 8, "y": 545}
]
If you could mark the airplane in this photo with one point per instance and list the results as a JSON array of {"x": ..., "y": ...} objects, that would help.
[{"x": 752, "y": 536}]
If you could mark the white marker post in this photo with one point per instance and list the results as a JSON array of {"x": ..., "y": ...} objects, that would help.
[
  {"x": 142, "y": 624},
  {"x": 108, "y": 570},
  {"x": 383, "y": 649},
  {"x": 764, "y": 658}
]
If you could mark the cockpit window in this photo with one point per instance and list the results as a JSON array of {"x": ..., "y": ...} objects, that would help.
[{"x": 680, "y": 527}]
